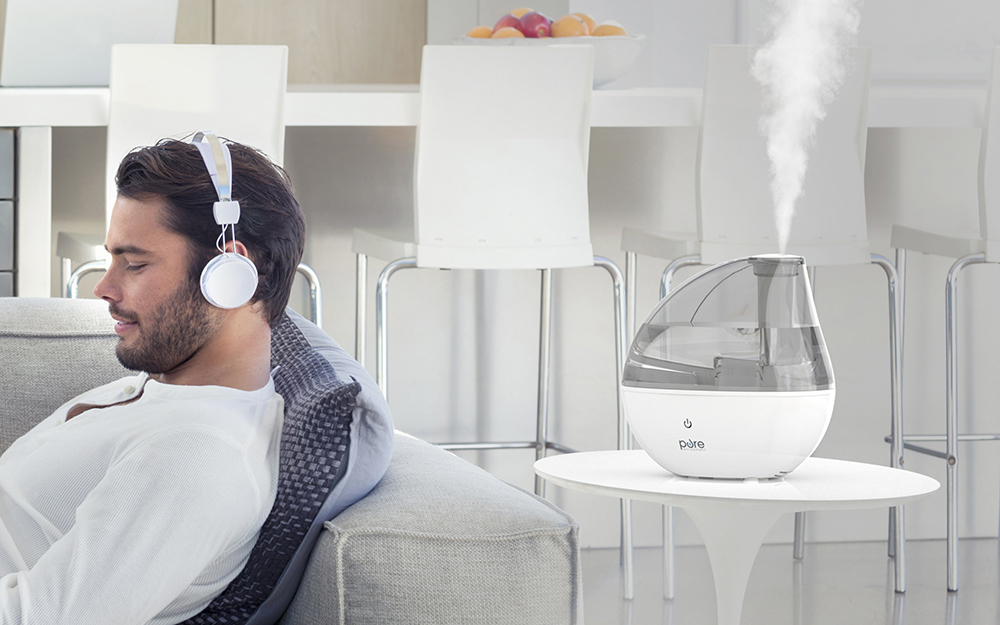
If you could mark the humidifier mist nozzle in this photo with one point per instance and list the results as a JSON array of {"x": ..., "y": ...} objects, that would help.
[{"x": 776, "y": 306}]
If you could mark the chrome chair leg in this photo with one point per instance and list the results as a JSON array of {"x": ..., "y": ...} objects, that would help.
[
  {"x": 65, "y": 271},
  {"x": 544, "y": 361},
  {"x": 73, "y": 284},
  {"x": 666, "y": 280},
  {"x": 951, "y": 404},
  {"x": 630, "y": 279},
  {"x": 669, "y": 585},
  {"x": 896, "y": 402},
  {"x": 381, "y": 319},
  {"x": 669, "y": 559},
  {"x": 812, "y": 278},
  {"x": 315, "y": 294},
  {"x": 799, "y": 537},
  {"x": 624, "y": 435},
  {"x": 901, "y": 289},
  {"x": 951, "y": 609},
  {"x": 361, "y": 310},
  {"x": 799, "y": 542}
]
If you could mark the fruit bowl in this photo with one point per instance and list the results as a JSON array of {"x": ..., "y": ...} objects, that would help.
[{"x": 613, "y": 56}]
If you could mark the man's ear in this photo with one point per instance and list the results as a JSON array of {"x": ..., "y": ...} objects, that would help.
[{"x": 238, "y": 246}]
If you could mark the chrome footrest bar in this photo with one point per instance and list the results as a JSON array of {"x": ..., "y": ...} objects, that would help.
[
  {"x": 929, "y": 438},
  {"x": 930, "y": 452}
]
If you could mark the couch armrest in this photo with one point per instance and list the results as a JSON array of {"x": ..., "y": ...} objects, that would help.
[{"x": 441, "y": 541}]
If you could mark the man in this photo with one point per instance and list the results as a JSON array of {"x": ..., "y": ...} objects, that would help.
[{"x": 139, "y": 501}]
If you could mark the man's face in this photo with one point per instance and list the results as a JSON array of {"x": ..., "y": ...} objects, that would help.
[{"x": 162, "y": 318}]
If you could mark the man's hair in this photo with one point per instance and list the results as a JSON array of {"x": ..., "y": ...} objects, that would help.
[{"x": 271, "y": 224}]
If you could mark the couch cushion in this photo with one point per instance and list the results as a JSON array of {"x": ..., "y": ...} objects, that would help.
[
  {"x": 371, "y": 429},
  {"x": 441, "y": 541}
]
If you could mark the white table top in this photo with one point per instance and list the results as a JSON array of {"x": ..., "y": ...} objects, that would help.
[
  {"x": 817, "y": 484},
  {"x": 897, "y": 105}
]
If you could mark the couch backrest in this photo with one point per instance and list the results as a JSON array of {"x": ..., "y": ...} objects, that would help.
[{"x": 50, "y": 352}]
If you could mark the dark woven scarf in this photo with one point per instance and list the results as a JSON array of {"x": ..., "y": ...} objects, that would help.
[{"x": 315, "y": 440}]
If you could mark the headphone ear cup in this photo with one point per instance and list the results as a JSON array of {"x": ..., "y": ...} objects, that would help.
[{"x": 229, "y": 280}]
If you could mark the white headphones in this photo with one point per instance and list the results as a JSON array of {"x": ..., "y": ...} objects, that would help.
[{"x": 230, "y": 279}]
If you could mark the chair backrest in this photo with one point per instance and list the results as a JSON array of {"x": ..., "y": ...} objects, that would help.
[
  {"x": 989, "y": 166},
  {"x": 160, "y": 91},
  {"x": 500, "y": 170},
  {"x": 735, "y": 206}
]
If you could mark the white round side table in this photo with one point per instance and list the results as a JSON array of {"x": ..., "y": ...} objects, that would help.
[{"x": 734, "y": 516}]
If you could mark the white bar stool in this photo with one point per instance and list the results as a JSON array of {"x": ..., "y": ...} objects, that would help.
[
  {"x": 735, "y": 216},
  {"x": 500, "y": 182},
  {"x": 981, "y": 247}
]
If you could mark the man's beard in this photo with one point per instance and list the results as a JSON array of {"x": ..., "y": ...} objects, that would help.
[{"x": 181, "y": 326}]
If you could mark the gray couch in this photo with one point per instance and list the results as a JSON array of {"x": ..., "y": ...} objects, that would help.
[{"x": 437, "y": 541}]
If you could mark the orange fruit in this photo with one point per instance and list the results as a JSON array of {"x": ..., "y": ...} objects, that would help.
[
  {"x": 518, "y": 13},
  {"x": 589, "y": 21},
  {"x": 507, "y": 31},
  {"x": 610, "y": 28},
  {"x": 481, "y": 32},
  {"x": 570, "y": 26}
]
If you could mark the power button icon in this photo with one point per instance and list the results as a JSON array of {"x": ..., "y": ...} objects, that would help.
[{"x": 687, "y": 423}]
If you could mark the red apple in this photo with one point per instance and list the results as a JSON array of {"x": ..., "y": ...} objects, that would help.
[
  {"x": 534, "y": 24},
  {"x": 507, "y": 20}
]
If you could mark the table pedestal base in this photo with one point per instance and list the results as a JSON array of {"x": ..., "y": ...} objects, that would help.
[{"x": 732, "y": 538}]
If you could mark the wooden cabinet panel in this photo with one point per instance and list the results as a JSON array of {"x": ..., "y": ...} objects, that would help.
[
  {"x": 332, "y": 41},
  {"x": 194, "y": 21},
  {"x": 329, "y": 41}
]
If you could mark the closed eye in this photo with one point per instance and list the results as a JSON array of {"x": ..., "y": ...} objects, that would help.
[{"x": 135, "y": 267}]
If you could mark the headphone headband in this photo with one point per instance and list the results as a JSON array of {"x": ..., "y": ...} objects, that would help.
[{"x": 219, "y": 163}]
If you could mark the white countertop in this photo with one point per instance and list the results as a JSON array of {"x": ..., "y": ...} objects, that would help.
[{"x": 890, "y": 105}]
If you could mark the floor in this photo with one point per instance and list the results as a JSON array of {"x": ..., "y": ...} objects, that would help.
[{"x": 842, "y": 583}]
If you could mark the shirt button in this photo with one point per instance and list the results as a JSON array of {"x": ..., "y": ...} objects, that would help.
[{"x": 129, "y": 389}]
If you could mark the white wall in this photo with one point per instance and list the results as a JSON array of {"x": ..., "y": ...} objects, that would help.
[
  {"x": 464, "y": 345},
  {"x": 921, "y": 39}
]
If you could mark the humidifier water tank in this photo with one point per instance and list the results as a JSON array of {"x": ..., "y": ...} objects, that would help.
[{"x": 729, "y": 376}]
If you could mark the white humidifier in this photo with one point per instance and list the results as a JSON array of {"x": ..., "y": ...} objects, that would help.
[{"x": 729, "y": 376}]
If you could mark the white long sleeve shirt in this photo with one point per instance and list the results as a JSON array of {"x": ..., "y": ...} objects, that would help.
[{"x": 138, "y": 513}]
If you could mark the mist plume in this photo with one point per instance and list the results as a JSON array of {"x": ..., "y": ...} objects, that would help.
[{"x": 800, "y": 68}]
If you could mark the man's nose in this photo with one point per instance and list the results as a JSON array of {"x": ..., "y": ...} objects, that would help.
[{"x": 106, "y": 288}]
